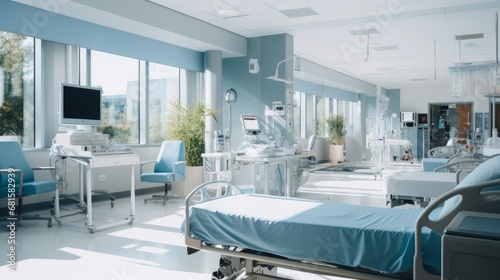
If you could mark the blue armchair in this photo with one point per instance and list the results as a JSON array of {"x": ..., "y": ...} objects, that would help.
[
  {"x": 17, "y": 180},
  {"x": 169, "y": 167}
]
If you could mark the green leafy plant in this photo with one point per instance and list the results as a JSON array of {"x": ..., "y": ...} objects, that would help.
[
  {"x": 187, "y": 123},
  {"x": 335, "y": 126}
]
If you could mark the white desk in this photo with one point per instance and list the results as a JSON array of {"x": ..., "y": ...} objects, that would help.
[
  {"x": 277, "y": 158},
  {"x": 97, "y": 161}
]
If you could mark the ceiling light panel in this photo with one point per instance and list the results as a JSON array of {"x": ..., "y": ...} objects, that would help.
[
  {"x": 469, "y": 36},
  {"x": 301, "y": 12},
  {"x": 370, "y": 31}
]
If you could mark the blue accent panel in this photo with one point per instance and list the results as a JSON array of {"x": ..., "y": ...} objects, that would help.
[
  {"x": 394, "y": 101},
  {"x": 341, "y": 94},
  {"x": 371, "y": 107},
  {"x": 326, "y": 91},
  {"x": 38, "y": 23},
  {"x": 307, "y": 87}
]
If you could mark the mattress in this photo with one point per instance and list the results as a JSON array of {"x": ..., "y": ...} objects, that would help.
[
  {"x": 380, "y": 239},
  {"x": 419, "y": 184}
]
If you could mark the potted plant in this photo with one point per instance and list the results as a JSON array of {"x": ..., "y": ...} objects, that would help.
[
  {"x": 187, "y": 123},
  {"x": 335, "y": 126}
]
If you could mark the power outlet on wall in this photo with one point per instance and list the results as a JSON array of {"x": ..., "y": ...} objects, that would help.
[{"x": 102, "y": 177}]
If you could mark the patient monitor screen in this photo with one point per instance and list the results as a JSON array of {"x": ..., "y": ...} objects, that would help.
[{"x": 251, "y": 124}]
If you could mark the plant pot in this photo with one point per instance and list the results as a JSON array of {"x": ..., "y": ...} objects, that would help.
[
  {"x": 194, "y": 178},
  {"x": 336, "y": 154}
]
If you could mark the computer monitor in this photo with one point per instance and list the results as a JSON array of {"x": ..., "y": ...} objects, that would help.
[
  {"x": 250, "y": 124},
  {"x": 80, "y": 105}
]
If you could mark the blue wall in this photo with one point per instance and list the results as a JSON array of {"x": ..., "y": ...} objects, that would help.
[{"x": 255, "y": 92}]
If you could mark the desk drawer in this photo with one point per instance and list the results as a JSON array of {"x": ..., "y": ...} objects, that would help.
[{"x": 113, "y": 160}]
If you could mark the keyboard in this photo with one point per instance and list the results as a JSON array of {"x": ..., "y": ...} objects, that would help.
[{"x": 85, "y": 151}]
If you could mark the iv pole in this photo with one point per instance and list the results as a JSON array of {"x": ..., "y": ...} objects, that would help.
[{"x": 230, "y": 98}]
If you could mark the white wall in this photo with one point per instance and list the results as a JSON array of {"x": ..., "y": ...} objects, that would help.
[{"x": 417, "y": 99}]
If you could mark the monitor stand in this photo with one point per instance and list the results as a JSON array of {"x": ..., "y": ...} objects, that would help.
[{"x": 78, "y": 129}]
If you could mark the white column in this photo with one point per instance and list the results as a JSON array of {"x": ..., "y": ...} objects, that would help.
[{"x": 213, "y": 96}]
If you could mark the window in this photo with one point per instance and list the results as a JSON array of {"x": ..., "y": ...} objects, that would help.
[
  {"x": 163, "y": 86},
  {"x": 17, "y": 88},
  {"x": 320, "y": 115},
  {"x": 119, "y": 78}
]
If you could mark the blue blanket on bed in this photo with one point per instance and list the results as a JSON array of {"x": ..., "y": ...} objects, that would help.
[{"x": 380, "y": 239}]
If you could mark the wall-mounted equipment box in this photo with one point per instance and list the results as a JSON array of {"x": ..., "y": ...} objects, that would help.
[{"x": 408, "y": 117}]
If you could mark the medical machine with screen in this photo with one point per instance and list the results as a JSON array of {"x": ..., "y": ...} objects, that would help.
[
  {"x": 80, "y": 105},
  {"x": 255, "y": 144},
  {"x": 250, "y": 124}
]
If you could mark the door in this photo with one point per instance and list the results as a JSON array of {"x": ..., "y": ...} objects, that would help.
[
  {"x": 444, "y": 118},
  {"x": 464, "y": 122}
]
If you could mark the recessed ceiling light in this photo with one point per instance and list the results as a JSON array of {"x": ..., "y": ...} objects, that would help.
[
  {"x": 365, "y": 31},
  {"x": 301, "y": 12},
  {"x": 418, "y": 80},
  {"x": 469, "y": 36},
  {"x": 224, "y": 13},
  {"x": 386, "y": 48}
]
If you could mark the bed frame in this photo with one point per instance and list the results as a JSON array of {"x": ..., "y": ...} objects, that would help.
[{"x": 472, "y": 200}]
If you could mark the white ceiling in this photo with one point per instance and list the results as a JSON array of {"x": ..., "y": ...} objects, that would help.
[
  {"x": 325, "y": 38},
  {"x": 414, "y": 44}
]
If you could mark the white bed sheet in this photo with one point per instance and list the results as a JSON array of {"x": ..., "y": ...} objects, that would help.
[{"x": 419, "y": 184}]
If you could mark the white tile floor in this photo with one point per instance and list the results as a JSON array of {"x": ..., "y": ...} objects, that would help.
[{"x": 150, "y": 248}]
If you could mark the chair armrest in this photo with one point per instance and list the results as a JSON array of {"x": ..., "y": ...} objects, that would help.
[
  {"x": 144, "y": 163},
  {"x": 175, "y": 166},
  {"x": 44, "y": 168},
  {"x": 177, "y": 163},
  {"x": 147, "y": 162}
]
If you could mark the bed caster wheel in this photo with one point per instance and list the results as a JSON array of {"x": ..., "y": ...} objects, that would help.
[
  {"x": 91, "y": 230},
  {"x": 112, "y": 204},
  {"x": 49, "y": 224}
]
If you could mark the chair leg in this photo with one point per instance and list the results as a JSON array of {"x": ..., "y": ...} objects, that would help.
[{"x": 163, "y": 197}]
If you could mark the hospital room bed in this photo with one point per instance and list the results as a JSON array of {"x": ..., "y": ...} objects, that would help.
[
  {"x": 421, "y": 187},
  {"x": 351, "y": 241}
]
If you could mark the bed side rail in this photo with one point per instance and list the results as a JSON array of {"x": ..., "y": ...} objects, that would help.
[
  {"x": 472, "y": 198},
  {"x": 205, "y": 192},
  {"x": 459, "y": 164}
]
